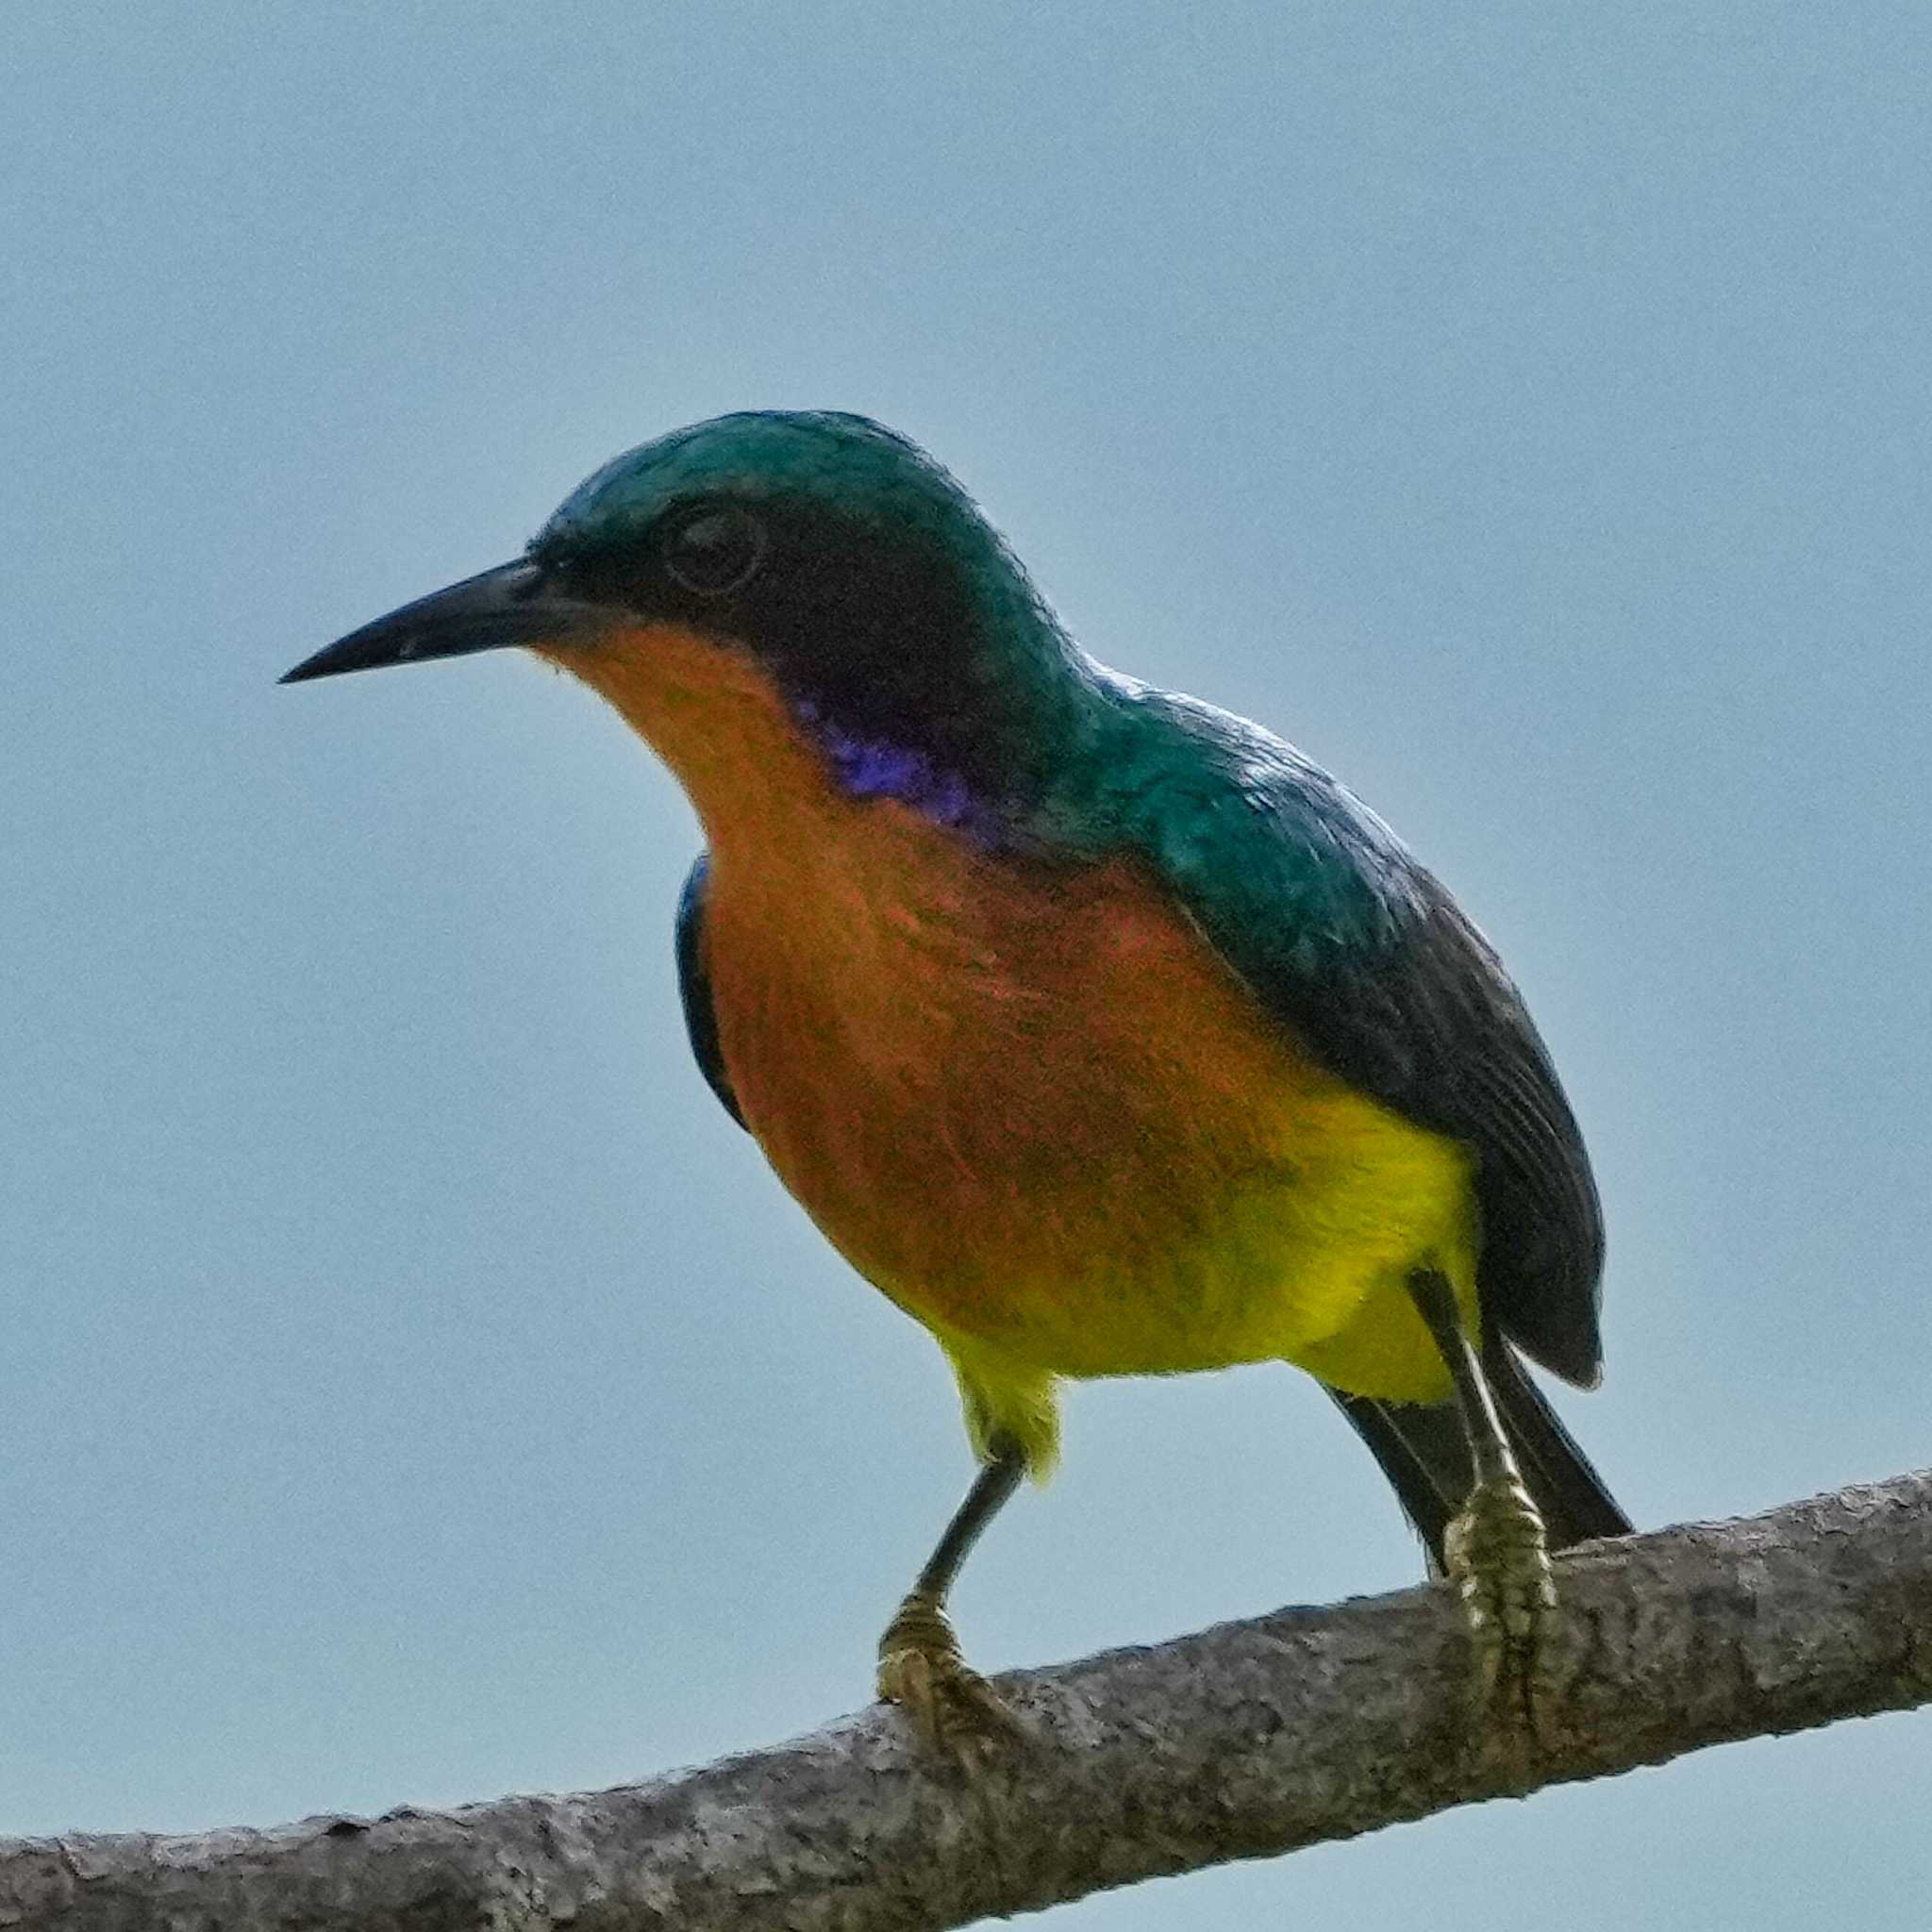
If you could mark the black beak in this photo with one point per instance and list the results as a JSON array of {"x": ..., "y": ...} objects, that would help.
[{"x": 510, "y": 604}]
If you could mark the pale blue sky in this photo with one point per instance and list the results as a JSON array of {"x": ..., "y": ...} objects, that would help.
[{"x": 415, "y": 1387}]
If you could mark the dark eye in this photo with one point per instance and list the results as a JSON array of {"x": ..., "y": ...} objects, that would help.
[{"x": 716, "y": 550}]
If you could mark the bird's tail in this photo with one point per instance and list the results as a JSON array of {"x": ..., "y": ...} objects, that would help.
[{"x": 1424, "y": 1453}]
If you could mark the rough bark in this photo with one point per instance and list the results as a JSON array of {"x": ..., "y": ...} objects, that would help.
[{"x": 1243, "y": 1741}]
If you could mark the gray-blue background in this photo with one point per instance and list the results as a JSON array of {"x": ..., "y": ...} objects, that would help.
[{"x": 413, "y": 1386}]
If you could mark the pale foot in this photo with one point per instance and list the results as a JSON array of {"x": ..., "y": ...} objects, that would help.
[
  {"x": 1498, "y": 1558},
  {"x": 953, "y": 1708}
]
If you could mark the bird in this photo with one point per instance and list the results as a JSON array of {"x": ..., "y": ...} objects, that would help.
[{"x": 1101, "y": 1030}]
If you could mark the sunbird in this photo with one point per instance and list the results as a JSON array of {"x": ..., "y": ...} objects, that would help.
[{"x": 1099, "y": 1030}]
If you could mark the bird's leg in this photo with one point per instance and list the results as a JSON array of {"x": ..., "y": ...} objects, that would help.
[
  {"x": 1497, "y": 1550},
  {"x": 920, "y": 1665}
]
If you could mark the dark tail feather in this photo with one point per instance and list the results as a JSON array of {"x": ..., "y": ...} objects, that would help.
[{"x": 1425, "y": 1455}]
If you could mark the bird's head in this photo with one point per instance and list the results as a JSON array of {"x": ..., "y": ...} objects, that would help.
[{"x": 814, "y": 568}]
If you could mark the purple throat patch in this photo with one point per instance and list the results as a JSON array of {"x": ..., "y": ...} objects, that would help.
[{"x": 874, "y": 768}]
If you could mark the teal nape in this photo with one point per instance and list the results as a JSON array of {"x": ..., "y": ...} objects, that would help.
[{"x": 1099, "y": 1030}]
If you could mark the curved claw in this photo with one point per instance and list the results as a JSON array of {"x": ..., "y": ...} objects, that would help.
[
  {"x": 1498, "y": 1557},
  {"x": 954, "y": 1708}
]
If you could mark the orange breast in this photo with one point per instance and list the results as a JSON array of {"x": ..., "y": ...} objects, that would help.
[
  {"x": 977, "y": 1081},
  {"x": 1028, "y": 1101}
]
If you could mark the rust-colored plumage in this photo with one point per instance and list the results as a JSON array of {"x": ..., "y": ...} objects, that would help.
[{"x": 1028, "y": 1101}]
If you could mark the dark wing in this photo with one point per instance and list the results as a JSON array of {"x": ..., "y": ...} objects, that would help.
[
  {"x": 1351, "y": 943},
  {"x": 695, "y": 987}
]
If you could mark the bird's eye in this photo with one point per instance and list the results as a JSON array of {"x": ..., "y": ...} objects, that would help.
[{"x": 716, "y": 551}]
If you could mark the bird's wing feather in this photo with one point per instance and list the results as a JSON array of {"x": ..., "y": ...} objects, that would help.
[
  {"x": 695, "y": 987},
  {"x": 1349, "y": 941}
]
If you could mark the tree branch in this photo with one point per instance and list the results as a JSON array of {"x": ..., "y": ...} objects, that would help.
[{"x": 1243, "y": 1741}]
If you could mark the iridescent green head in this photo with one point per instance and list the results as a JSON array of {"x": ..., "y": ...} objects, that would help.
[{"x": 853, "y": 567}]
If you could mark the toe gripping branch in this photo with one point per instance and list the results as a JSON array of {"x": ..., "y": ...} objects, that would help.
[{"x": 1496, "y": 1550}]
